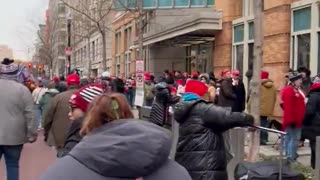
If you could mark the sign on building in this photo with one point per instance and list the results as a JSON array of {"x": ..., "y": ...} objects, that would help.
[
  {"x": 162, "y": 4},
  {"x": 139, "y": 99}
]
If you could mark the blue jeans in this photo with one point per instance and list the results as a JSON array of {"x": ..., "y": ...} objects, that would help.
[
  {"x": 264, "y": 134},
  {"x": 12, "y": 157},
  {"x": 38, "y": 115},
  {"x": 130, "y": 97},
  {"x": 291, "y": 142}
]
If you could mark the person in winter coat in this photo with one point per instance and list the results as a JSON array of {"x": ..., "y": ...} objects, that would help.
[
  {"x": 293, "y": 100},
  {"x": 159, "y": 114},
  {"x": 211, "y": 93},
  {"x": 62, "y": 85},
  {"x": 238, "y": 88},
  {"x": 116, "y": 148},
  {"x": 311, "y": 120},
  {"x": 306, "y": 79},
  {"x": 17, "y": 123},
  {"x": 79, "y": 103},
  {"x": 201, "y": 147},
  {"x": 56, "y": 121},
  {"x": 305, "y": 86},
  {"x": 268, "y": 96},
  {"x": 148, "y": 90},
  {"x": 226, "y": 97},
  {"x": 46, "y": 99}
]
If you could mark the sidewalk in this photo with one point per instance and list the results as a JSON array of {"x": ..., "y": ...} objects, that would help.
[{"x": 270, "y": 152}]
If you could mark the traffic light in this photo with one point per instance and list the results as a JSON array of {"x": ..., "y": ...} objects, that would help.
[{"x": 40, "y": 68}]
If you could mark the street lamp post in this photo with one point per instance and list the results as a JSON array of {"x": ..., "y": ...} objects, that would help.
[{"x": 69, "y": 42}]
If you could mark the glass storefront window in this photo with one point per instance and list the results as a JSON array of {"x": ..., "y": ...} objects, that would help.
[
  {"x": 182, "y": 3},
  {"x": 303, "y": 59},
  {"x": 238, "y": 33},
  {"x": 165, "y": 3},
  {"x": 302, "y": 19},
  {"x": 149, "y": 3},
  {"x": 251, "y": 56},
  {"x": 198, "y": 2}
]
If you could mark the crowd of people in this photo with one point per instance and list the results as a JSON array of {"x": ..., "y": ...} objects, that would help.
[{"x": 90, "y": 122}]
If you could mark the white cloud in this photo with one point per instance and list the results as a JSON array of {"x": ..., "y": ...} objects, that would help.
[{"x": 19, "y": 20}]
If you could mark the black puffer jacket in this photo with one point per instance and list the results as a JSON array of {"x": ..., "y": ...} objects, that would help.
[
  {"x": 311, "y": 120},
  {"x": 201, "y": 147}
]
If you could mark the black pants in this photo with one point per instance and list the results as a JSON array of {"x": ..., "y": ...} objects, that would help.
[
  {"x": 264, "y": 134},
  {"x": 313, "y": 153}
]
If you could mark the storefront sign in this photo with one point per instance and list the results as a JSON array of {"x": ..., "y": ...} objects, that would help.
[{"x": 139, "y": 99}]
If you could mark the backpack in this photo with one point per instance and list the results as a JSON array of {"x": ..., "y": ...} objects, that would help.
[{"x": 148, "y": 91}]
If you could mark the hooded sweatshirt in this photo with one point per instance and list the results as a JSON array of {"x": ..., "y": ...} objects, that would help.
[
  {"x": 46, "y": 99},
  {"x": 120, "y": 150}
]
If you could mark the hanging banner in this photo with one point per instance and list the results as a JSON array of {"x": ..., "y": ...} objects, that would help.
[{"x": 139, "y": 99}]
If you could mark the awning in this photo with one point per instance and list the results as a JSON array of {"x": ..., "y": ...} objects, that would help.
[{"x": 200, "y": 27}]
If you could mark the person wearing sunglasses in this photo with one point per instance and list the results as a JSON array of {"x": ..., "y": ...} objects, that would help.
[{"x": 79, "y": 103}]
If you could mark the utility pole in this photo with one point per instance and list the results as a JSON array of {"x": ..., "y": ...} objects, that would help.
[{"x": 256, "y": 80}]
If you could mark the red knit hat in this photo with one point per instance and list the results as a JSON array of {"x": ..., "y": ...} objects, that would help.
[
  {"x": 147, "y": 76},
  {"x": 224, "y": 72},
  {"x": 73, "y": 79},
  {"x": 55, "y": 79},
  {"x": 264, "y": 75},
  {"x": 82, "y": 98},
  {"x": 196, "y": 87},
  {"x": 236, "y": 73}
]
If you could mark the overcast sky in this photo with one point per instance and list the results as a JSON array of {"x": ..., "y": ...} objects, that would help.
[{"x": 19, "y": 20}]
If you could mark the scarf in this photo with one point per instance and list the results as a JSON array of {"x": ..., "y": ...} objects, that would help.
[{"x": 190, "y": 97}]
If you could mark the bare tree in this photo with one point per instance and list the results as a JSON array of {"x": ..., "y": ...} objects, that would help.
[
  {"x": 45, "y": 45},
  {"x": 96, "y": 15}
]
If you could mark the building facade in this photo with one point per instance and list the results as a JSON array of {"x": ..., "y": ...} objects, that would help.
[
  {"x": 57, "y": 36},
  {"x": 5, "y": 52},
  {"x": 220, "y": 37},
  {"x": 87, "y": 40}
]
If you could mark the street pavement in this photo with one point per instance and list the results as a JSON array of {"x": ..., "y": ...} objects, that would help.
[{"x": 35, "y": 159}]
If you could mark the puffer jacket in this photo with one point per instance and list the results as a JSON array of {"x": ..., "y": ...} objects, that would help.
[
  {"x": 120, "y": 150},
  {"x": 201, "y": 146}
]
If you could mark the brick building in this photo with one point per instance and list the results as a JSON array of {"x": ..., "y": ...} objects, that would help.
[{"x": 222, "y": 37}]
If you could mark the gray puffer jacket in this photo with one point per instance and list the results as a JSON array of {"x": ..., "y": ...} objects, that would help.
[{"x": 120, "y": 150}]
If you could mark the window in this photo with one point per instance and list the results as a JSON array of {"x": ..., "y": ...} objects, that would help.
[
  {"x": 97, "y": 49},
  {"x": 84, "y": 54},
  {"x": 165, "y": 3},
  {"x": 93, "y": 51},
  {"x": 118, "y": 65},
  {"x": 238, "y": 58},
  {"x": 302, "y": 19},
  {"x": 238, "y": 33},
  {"x": 251, "y": 31},
  {"x": 118, "y": 42},
  {"x": 182, "y": 3},
  {"x": 303, "y": 50},
  {"x": 127, "y": 63},
  {"x": 149, "y": 3},
  {"x": 198, "y": 2},
  {"x": 128, "y": 33}
]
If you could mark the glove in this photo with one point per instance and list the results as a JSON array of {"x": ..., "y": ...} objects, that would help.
[{"x": 249, "y": 120}]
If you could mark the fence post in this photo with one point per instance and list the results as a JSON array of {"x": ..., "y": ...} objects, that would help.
[
  {"x": 237, "y": 139},
  {"x": 317, "y": 168}
]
